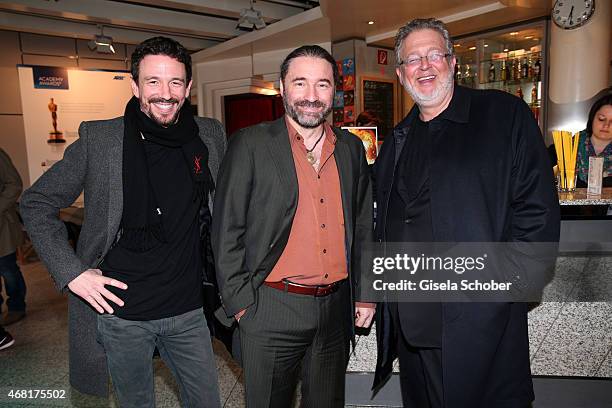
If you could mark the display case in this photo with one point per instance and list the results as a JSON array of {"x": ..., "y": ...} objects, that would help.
[{"x": 512, "y": 60}]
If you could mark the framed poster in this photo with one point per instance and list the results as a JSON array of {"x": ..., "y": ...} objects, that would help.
[
  {"x": 56, "y": 100},
  {"x": 379, "y": 96},
  {"x": 344, "y": 99},
  {"x": 369, "y": 137}
]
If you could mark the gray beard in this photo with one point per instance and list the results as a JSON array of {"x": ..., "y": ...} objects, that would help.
[{"x": 423, "y": 100}]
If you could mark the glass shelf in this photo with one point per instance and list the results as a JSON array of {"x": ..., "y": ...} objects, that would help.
[
  {"x": 514, "y": 57},
  {"x": 520, "y": 51},
  {"x": 513, "y": 81},
  {"x": 526, "y": 67}
]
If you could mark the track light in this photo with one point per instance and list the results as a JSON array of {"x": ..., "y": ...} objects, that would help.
[
  {"x": 250, "y": 19},
  {"x": 102, "y": 43}
]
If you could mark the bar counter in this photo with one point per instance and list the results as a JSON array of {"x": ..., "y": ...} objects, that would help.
[
  {"x": 580, "y": 197},
  {"x": 586, "y": 222}
]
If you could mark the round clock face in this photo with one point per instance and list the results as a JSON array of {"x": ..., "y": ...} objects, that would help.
[{"x": 570, "y": 14}]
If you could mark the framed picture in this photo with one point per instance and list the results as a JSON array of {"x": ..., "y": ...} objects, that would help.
[
  {"x": 339, "y": 99},
  {"x": 349, "y": 115},
  {"x": 369, "y": 137}
]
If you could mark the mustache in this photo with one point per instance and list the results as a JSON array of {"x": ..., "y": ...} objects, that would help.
[
  {"x": 162, "y": 100},
  {"x": 309, "y": 104}
]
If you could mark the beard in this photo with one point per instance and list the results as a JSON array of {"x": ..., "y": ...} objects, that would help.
[
  {"x": 308, "y": 121},
  {"x": 437, "y": 96},
  {"x": 164, "y": 121}
]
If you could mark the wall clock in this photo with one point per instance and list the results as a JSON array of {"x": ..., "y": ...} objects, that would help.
[{"x": 570, "y": 14}]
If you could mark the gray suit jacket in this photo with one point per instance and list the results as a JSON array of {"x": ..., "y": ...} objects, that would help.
[
  {"x": 92, "y": 164},
  {"x": 256, "y": 201}
]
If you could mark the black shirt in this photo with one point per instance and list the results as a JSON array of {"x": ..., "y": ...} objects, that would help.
[
  {"x": 409, "y": 203},
  {"x": 409, "y": 220},
  {"x": 166, "y": 280}
]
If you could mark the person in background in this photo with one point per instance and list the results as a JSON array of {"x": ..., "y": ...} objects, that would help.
[
  {"x": 6, "y": 340},
  {"x": 292, "y": 211},
  {"x": 11, "y": 236},
  {"x": 465, "y": 165},
  {"x": 367, "y": 118},
  {"x": 596, "y": 141},
  {"x": 135, "y": 281}
]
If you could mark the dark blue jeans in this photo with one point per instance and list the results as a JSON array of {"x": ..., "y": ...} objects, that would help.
[
  {"x": 14, "y": 284},
  {"x": 184, "y": 344}
]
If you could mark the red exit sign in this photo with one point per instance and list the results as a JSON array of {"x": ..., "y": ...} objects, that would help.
[{"x": 382, "y": 57}]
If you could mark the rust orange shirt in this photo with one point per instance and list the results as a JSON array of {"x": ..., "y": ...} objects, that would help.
[{"x": 315, "y": 253}]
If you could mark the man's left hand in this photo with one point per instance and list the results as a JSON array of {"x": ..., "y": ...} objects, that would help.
[{"x": 364, "y": 316}]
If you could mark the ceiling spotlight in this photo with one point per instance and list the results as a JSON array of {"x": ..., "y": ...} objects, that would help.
[
  {"x": 472, "y": 48},
  {"x": 528, "y": 37},
  {"x": 371, "y": 22},
  {"x": 102, "y": 43},
  {"x": 250, "y": 19},
  {"x": 514, "y": 33},
  {"x": 486, "y": 45}
]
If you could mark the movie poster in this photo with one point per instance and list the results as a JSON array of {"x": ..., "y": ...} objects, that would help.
[
  {"x": 56, "y": 100},
  {"x": 369, "y": 137},
  {"x": 344, "y": 99}
]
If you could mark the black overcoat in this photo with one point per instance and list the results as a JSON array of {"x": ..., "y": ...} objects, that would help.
[{"x": 491, "y": 181}]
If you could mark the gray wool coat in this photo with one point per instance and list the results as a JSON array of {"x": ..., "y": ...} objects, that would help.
[
  {"x": 11, "y": 235},
  {"x": 92, "y": 164}
]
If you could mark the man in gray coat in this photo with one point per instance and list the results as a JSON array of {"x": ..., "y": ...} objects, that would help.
[
  {"x": 11, "y": 236},
  {"x": 135, "y": 282}
]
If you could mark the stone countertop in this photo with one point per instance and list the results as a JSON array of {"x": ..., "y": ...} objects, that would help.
[{"x": 580, "y": 197}]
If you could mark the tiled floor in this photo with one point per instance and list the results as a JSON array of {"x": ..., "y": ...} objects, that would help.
[{"x": 567, "y": 339}]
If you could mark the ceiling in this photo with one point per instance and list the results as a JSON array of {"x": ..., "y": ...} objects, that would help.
[
  {"x": 197, "y": 24},
  {"x": 350, "y": 17},
  {"x": 202, "y": 24}
]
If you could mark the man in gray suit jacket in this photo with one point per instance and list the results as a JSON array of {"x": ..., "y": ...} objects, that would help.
[
  {"x": 148, "y": 179},
  {"x": 292, "y": 209}
]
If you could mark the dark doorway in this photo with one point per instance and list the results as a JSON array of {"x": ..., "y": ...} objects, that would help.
[{"x": 249, "y": 109}]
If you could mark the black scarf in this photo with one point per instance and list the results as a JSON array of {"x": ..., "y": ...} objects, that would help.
[{"x": 141, "y": 223}]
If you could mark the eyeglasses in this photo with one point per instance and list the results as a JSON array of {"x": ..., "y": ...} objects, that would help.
[{"x": 415, "y": 60}]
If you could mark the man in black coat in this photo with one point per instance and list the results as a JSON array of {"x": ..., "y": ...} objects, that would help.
[{"x": 463, "y": 166}]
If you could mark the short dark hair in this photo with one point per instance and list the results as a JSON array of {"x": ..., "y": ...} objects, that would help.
[
  {"x": 161, "y": 46},
  {"x": 314, "y": 51},
  {"x": 606, "y": 99}
]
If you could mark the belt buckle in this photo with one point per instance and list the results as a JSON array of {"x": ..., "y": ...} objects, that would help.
[{"x": 325, "y": 290}]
